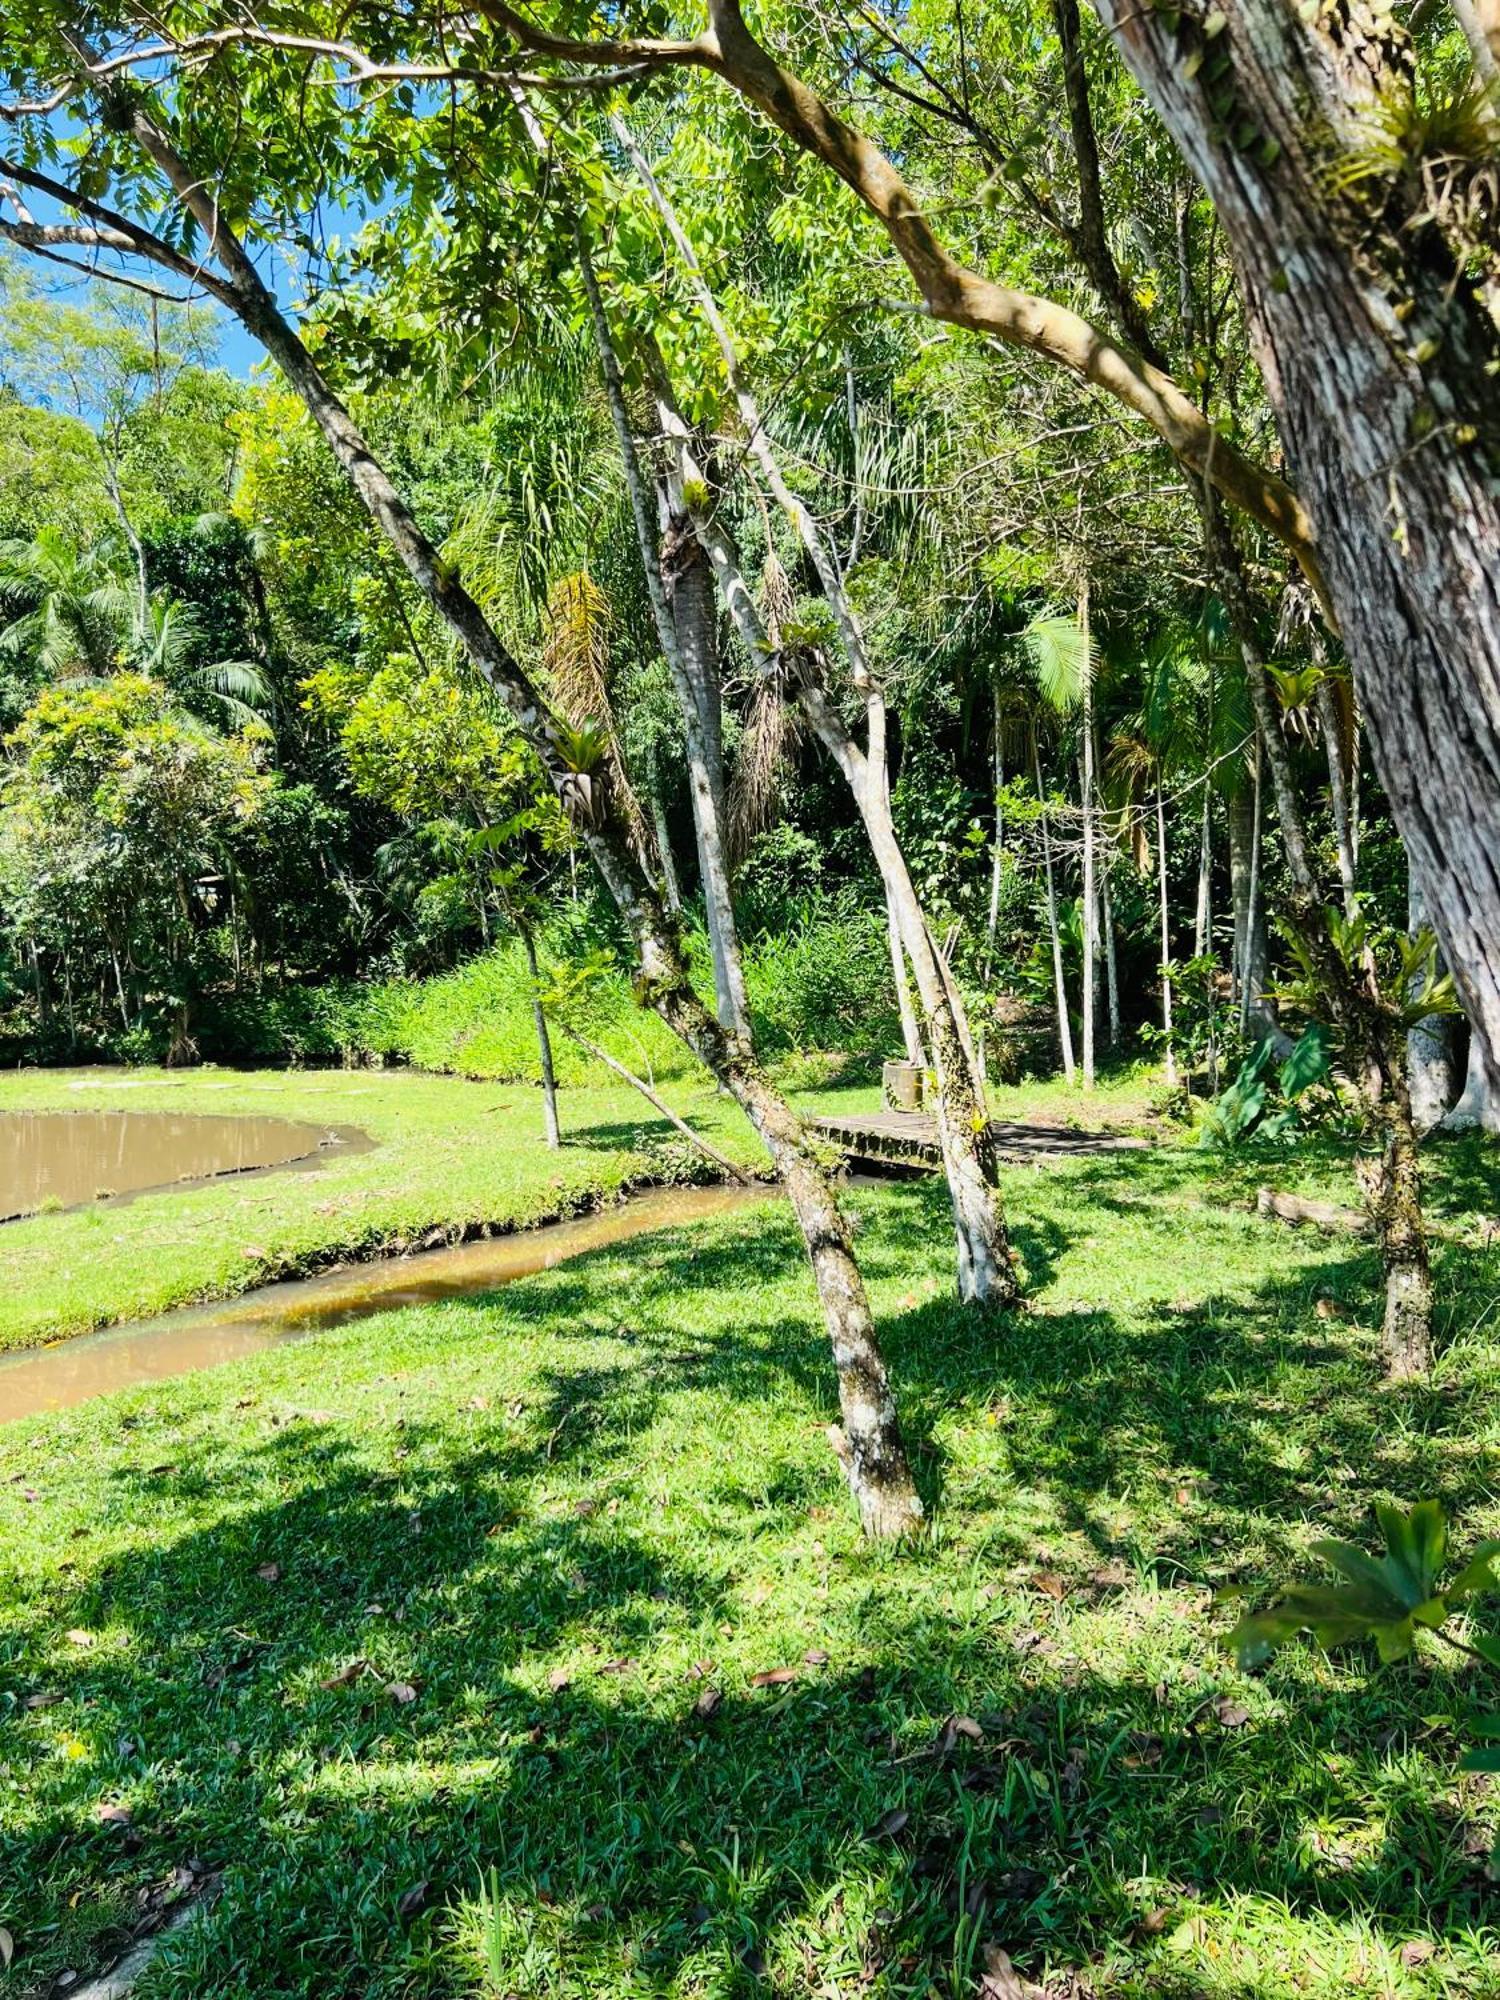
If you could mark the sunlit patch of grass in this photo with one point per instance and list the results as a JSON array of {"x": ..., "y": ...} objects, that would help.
[{"x": 583, "y": 1519}]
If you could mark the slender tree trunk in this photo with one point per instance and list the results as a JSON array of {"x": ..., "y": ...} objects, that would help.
[
  {"x": 543, "y": 1041},
  {"x": 1107, "y": 930},
  {"x": 1340, "y": 791},
  {"x": 692, "y": 612},
  {"x": 1203, "y": 914},
  {"x": 1257, "y": 1015},
  {"x": 1166, "y": 934},
  {"x": 1430, "y": 1047},
  {"x": 870, "y": 1444},
  {"x": 997, "y": 865},
  {"x": 1059, "y": 983},
  {"x": 1090, "y": 904},
  {"x": 684, "y": 631},
  {"x": 668, "y": 862}
]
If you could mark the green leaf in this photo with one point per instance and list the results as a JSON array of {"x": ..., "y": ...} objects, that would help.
[
  {"x": 1487, "y": 1726},
  {"x": 1487, "y": 1646},
  {"x": 1308, "y": 1062},
  {"x": 1477, "y": 1575},
  {"x": 1480, "y": 1760}
]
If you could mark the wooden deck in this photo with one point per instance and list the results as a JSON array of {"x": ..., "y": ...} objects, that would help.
[{"x": 909, "y": 1139}]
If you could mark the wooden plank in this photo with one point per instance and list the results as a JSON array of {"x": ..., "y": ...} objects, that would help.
[{"x": 911, "y": 1138}]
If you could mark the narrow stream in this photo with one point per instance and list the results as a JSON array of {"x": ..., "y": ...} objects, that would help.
[{"x": 177, "y": 1343}]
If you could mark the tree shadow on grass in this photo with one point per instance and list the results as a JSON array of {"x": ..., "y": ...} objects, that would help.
[{"x": 545, "y": 1572}]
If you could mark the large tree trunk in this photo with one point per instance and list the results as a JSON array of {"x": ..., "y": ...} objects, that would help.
[
  {"x": 870, "y": 1443},
  {"x": 1380, "y": 355},
  {"x": 1477, "y": 1108}
]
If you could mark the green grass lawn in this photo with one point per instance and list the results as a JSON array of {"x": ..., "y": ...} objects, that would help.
[
  {"x": 449, "y": 1155},
  {"x": 578, "y": 1521}
]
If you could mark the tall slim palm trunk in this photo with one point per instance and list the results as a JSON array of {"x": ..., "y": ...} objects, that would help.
[{"x": 1059, "y": 983}]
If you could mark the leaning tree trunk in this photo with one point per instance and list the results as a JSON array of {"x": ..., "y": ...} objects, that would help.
[
  {"x": 1368, "y": 313},
  {"x": 869, "y": 1443}
]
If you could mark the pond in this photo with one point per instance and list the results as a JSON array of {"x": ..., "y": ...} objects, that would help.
[
  {"x": 54, "y": 1378},
  {"x": 59, "y": 1159}
]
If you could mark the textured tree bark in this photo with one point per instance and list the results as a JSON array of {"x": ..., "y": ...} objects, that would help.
[
  {"x": 1379, "y": 354},
  {"x": 870, "y": 1444}
]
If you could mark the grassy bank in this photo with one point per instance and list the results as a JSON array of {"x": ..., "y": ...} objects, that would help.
[
  {"x": 448, "y": 1156},
  {"x": 496, "y": 1585}
]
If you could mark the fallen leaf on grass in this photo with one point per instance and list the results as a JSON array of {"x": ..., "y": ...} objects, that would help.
[
  {"x": 112, "y": 1815},
  {"x": 953, "y": 1728},
  {"x": 412, "y": 1900},
  {"x": 815, "y": 1657},
  {"x": 43, "y": 1698},
  {"x": 1000, "y": 1979},
  {"x": 7, "y": 1949},
  {"x": 401, "y": 1691},
  {"x": 1231, "y": 1714},
  {"x": 700, "y": 1670},
  {"x": 1417, "y": 1951},
  {"x": 624, "y": 1666},
  {"x": 269, "y": 1572},
  {"x": 78, "y": 1637},
  {"x": 351, "y": 1672},
  {"x": 773, "y": 1677},
  {"x": 558, "y": 1679},
  {"x": 707, "y": 1702},
  {"x": 890, "y": 1823},
  {"x": 1050, "y": 1584}
]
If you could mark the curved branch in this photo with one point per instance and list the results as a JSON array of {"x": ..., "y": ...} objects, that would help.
[{"x": 950, "y": 291}]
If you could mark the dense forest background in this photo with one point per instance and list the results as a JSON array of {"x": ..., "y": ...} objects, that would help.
[{"x": 252, "y": 800}]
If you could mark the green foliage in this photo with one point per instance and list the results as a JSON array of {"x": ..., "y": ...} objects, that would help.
[
  {"x": 1388, "y": 1599},
  {"x": 1263, "y": 1099}
]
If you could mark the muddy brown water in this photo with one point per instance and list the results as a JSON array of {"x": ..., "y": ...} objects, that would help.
[
  {"x": 60, "y": 1159},
  {"x": 178, "y": 1343}
]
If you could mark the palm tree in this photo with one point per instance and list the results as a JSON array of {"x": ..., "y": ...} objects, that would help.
[
  {"x": 68, "y": 612},
  {"x": 167, "y": 650},
  {"x": 72, "y": 618}
]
